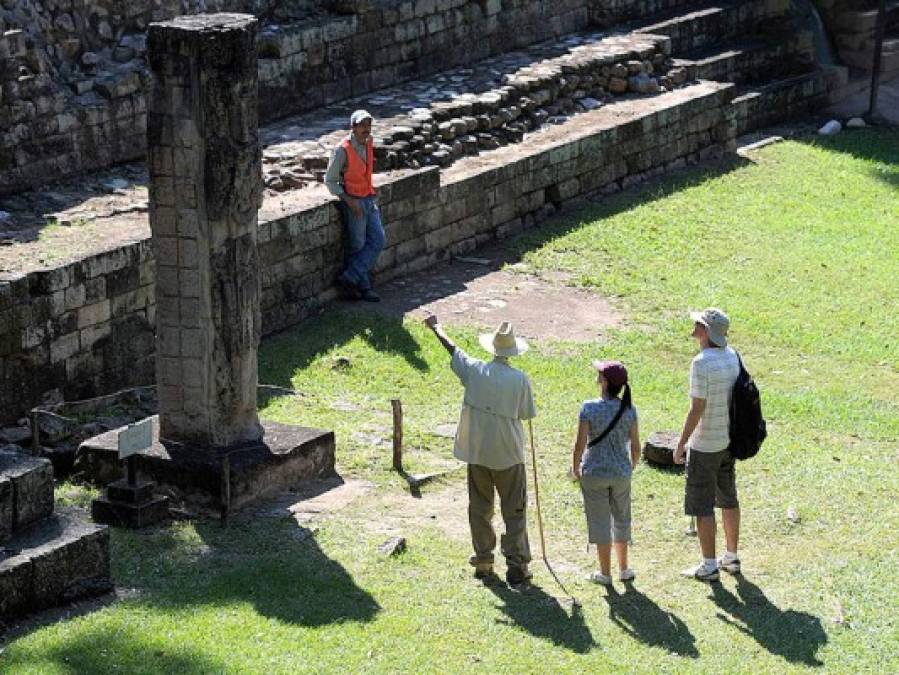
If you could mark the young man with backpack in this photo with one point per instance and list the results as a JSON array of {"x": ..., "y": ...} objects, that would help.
[{"x": 706, "y": 435}]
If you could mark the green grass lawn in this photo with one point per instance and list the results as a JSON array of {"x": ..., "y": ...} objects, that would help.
[{"x": 801, "y": 248}]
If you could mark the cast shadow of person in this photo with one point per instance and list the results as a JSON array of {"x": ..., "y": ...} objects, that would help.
[
  {"x": 642, "y": 619},
  {"x": 795, "y": 636},
  {"x": 541, "y": 615}
]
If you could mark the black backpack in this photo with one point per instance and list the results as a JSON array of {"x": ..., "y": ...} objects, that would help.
[{"x": 747, "y": 426}]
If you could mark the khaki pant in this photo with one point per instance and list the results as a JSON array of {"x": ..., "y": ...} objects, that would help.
[
  {"x": 511, "y": 484},
  {"x": 607, "y": 504}
]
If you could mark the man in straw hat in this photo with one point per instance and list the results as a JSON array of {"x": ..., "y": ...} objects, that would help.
[
  {"x": 710, "y": 466},
  {"x": 490, "y": 439}
]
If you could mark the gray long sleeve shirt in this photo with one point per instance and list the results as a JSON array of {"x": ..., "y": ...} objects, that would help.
[{"x": 337, "y": 165}]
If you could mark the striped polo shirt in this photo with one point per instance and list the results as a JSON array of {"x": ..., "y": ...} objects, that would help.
[{"x": 712, "y": 376}]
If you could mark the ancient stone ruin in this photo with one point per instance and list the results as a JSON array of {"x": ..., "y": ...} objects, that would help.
[
  {"x": 205, "y": 189},
  {"x": 47, "y": 556},
  {"x": 490, "y": 116}
]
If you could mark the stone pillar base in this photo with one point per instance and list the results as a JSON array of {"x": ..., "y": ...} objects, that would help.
[
  {"x": 210, "y": 479},
  {"x": 127, "y": 505}
]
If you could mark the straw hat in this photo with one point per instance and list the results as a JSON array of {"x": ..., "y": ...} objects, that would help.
[{"x": 503, "y": 341}]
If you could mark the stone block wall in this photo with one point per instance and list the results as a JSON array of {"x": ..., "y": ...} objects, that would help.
[
  {"x": 73, "y": 76},
  {"x": 88, "y": 328},
  {"x": 73, "y": 331},
  {"x": 853, "y": 23},
  {"x": 307, "y": 65}
]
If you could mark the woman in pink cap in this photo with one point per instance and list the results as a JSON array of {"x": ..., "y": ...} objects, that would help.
[{"x": 605, "y": 454}]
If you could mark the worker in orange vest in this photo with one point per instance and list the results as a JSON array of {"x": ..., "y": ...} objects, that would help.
[{"x": 349, "y": 177}]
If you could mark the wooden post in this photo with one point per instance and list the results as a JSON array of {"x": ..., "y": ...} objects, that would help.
[
  {"x": 225, "y": 490},
  {"x": 397, "y": 434}
]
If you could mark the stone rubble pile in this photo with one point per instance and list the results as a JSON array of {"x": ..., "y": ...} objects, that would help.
[{"x": 467, "y": 111}]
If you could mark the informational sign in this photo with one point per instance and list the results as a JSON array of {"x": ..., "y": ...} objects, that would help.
[{"x": 136, "y": 438}]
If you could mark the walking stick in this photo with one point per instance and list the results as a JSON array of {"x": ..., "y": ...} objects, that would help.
[{"x": 575, "y": 603}]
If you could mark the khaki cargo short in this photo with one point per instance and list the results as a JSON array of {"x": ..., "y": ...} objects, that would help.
[{"x": 711, "y": 483}]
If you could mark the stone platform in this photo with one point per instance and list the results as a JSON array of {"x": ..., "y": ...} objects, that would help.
[
  {"x": 213, "y": 479},
  {"x": 46, "y": 558},
  {"x": 60, "y": 559}
]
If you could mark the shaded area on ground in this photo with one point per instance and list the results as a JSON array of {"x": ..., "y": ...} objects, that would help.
[
  {"x": 382, "y": 333},
  {"x": 795, "y": 636},
  {"x": 281, "y": 571},
  {"x": 641, "y": 618},
  {"x": 90, "y": 652},
  {"x": 541, "y": 615}
]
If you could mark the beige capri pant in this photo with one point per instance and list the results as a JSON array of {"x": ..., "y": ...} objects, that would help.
[{"x": 607, "y": 505}]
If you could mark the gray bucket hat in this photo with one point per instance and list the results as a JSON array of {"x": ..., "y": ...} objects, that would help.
[{"x": 715, "y": 322}]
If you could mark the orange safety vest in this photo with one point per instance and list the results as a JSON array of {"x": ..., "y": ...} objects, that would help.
[{"x": 357, "y": 179}]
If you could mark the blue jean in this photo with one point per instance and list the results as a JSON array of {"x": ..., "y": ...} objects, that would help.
[{"x": 365, "y": 240}]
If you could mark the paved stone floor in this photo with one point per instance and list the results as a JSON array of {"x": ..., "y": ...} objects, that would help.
[{"x": 857, "y": 104}]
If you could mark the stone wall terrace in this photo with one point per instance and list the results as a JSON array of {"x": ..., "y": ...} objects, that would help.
[{"x": 87, "y": 328}]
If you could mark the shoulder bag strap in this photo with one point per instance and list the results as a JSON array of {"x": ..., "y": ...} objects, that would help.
[{"x": 608, "y": 428}]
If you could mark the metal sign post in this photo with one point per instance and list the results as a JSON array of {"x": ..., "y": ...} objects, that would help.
[{"x": 134, "y": 439}]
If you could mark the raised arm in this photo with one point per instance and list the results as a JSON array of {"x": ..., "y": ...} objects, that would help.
[{"x": 432, "y": 323}]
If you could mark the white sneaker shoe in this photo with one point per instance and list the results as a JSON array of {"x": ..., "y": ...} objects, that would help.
[
  {"x": 600, "y": 578},
  {"x": 729, "y": 563},
  {"x": 701, "y": 572},
  {"x": 627, "y": 575}
]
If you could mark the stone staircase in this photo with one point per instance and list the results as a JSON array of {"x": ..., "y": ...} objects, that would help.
[
  {"x": 855, "y": 37},
  {"x": 720, "y": 69},
  {"x": 475, "y": 110},
  {"x": 47, "y": 556}
]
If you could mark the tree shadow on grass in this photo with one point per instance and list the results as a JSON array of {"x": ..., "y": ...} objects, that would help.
[
  {"x": 642, "y": 619},
  {"x": 281, "y": 571},
  {"x": 875, "y": 145},
  {"x": 795, "y": 636},
  {"x": 114, "y": 648},
  {"x": 541, "y": 615},
  {"x": 292, "y": 350}
]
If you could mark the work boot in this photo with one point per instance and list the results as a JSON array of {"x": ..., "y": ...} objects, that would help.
[
  {"x": 483, "y": 568},
  {"x": 348, "y": 289},
  {"x": 369, "y": 295},
  {"x": 516, "y": 575}
]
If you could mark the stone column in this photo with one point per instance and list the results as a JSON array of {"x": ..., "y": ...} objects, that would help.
[{"x": 205, "y": 190}]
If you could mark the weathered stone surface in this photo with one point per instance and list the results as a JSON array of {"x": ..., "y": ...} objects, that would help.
[
  {"x": 287, "y": 455},
  {"x": 32, "y": 484},
  {"x": 207, "y": 399},
  {"x": 63, "y": 558},
  {"x": 6, "y": 508}
]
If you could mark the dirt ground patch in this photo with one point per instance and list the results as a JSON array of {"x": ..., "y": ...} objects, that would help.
[{"x": 483, "y": 291}]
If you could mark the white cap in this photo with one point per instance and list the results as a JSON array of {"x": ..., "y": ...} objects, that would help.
[{"x": 360, "y": 116}]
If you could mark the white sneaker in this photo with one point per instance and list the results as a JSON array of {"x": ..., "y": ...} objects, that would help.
[
  {"x": 627, "y": 575},
  {"x": 600, "y": 578},
  {"x": 701, "y": 572},
  {"x": 729, "y": 563}
]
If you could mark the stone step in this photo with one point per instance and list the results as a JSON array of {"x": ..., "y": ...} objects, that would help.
[
  {"x": 463, "y": 111},
  {"x": 60, "y": 559},
  {"x": 714, "y": 23},
  {"x": 26, "y": 491},
  {"x": 611, "y": 12},
  {"x": 751, "y": 60},
  {"x": 889, "y": 58},
  {"x": 777, "y": 101}
]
